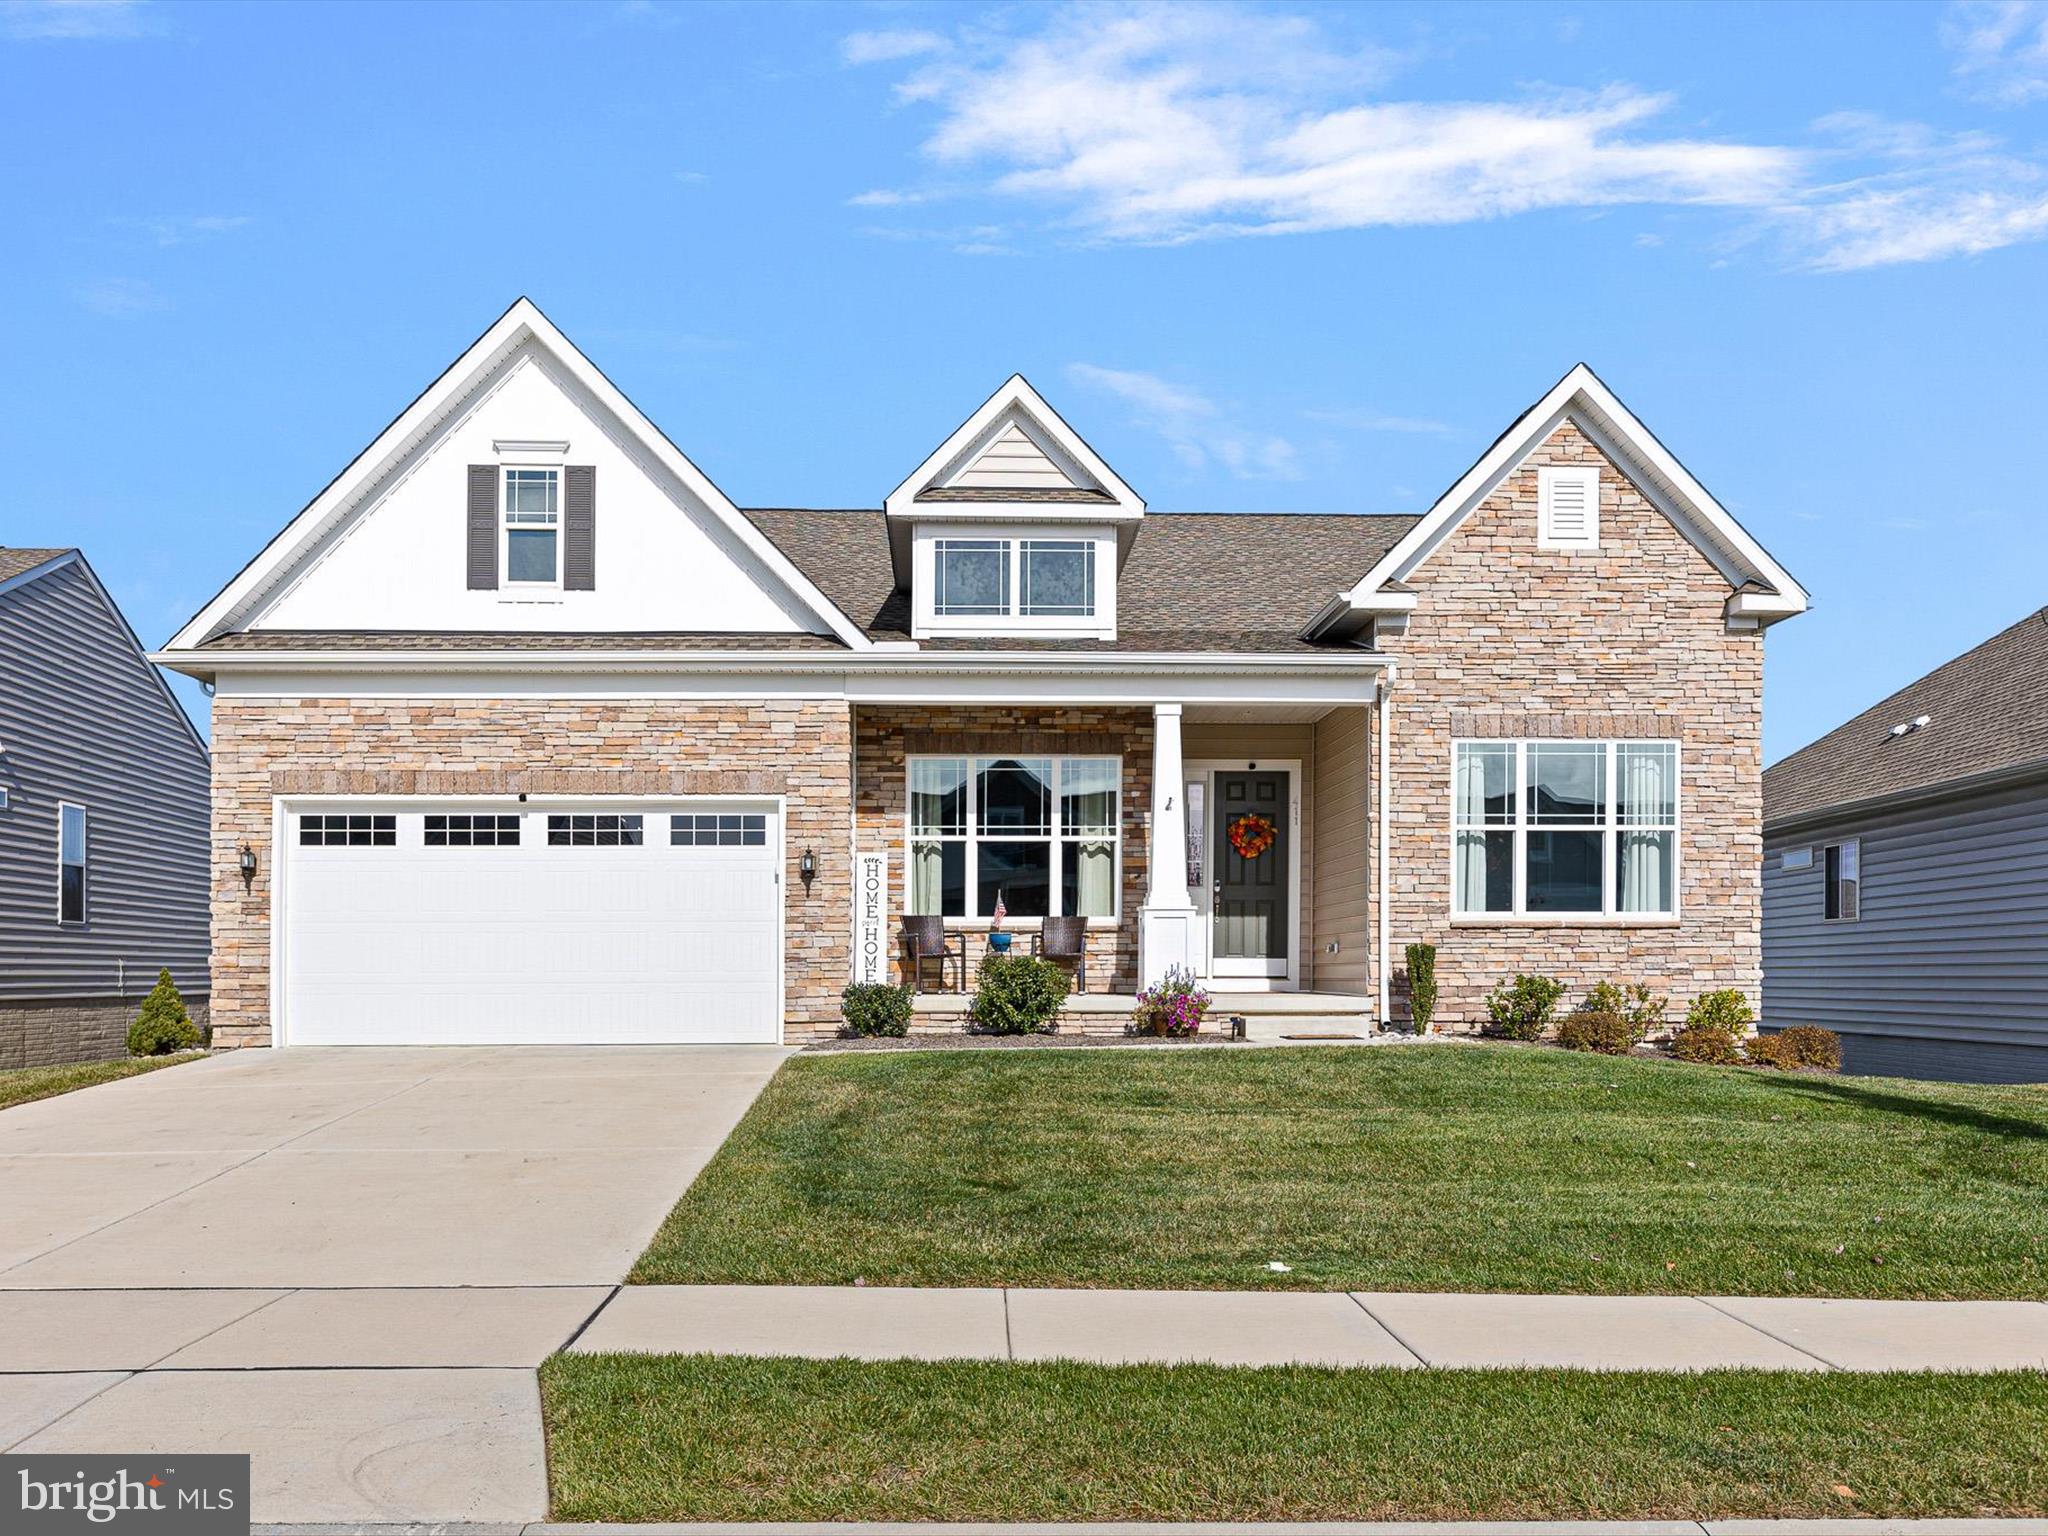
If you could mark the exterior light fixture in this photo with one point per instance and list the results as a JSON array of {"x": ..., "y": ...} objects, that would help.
[
  {"x": 807, "y": 869},
  {"x": 246, "y": 862}
]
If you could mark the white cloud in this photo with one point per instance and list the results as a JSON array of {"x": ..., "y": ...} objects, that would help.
[
  {"x": 1196, "y": 428},
  {"x": 181, "y": 229},
  {"x": 120, "y": 297},
  {"x": 1378, "y": 421},
  {"x": 692, "y": 178},
  {"x": 880, "y": 47},
  {"x": 1164, "y": 123},
  {"x": 885, "y": 197},
  {"x": 2001, "y": 48},
  {"x": 78, "y": 20}
]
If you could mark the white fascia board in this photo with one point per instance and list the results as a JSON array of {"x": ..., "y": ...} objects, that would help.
[
  {"x": 519, "y": 323},
  {"x": 1016, "y": 392},
  {"x": 1581, "y": 396}
]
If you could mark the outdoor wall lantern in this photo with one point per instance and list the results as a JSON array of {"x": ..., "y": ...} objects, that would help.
[
  {"x": 246, "y": 861},
  {"x": 807, "y": 869}
]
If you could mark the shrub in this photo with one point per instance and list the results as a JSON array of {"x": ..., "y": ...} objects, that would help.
[
  {"x": 163, "y": 1025},
  {"x": 1174, "y": 1006},
  {"x": 1017, "y": 995},
  {"x": 1643, "y": 1010},
  {"x": 1521, "y": 1009},
  {"x": 1769, "y": 1051},
  {"x": 875, "y": 1008},
  {"x": 1422, "y": 985},
  {"x": 1727, "y": 1010},
  {"x": 1608, "y": 1033},
  {"x": 1811, "y": 1046},
  {"x": 1708, "y": 1043}
]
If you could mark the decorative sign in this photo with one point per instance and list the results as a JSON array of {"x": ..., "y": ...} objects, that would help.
[{"x": 870, "y": 917}]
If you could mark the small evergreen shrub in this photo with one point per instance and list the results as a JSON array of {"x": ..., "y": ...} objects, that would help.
[
  {"x": 1422, "y": 985},
  {"x": 875, "y": 1008},
  {"x": 1608, "y": 1033},
  {"x": 1521, "y": 1009},
  {"x": 1811, "y": 1046},
  {"x": 163, "y": 1025},
  {"x": 1174, "y": 1006},
  {"x": 1635, "y": 1003},
  {"x": 1726, "y": 1010},
  {"x": 1017, "y": 995}
]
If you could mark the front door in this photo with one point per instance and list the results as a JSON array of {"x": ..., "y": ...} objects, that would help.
[{"x": 1251, "y": 854}]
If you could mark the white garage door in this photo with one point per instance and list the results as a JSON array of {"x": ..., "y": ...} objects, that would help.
[{"x": 488, "y": 923}]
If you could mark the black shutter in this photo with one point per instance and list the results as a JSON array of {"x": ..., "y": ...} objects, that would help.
[
  {"x": 579, "y": 528},
  {"x": 483, "y": 527}
]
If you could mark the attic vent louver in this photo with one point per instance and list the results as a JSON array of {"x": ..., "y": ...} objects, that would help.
[{"x": 1568, "y": 508}]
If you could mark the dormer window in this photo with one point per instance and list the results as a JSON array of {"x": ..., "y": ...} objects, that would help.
[
  {"x": 971, "y": 578},
  {"x": 1059, "y": 578},
  {"x": 1013, "y": 578},
  {"x": 533, "y": 528}
]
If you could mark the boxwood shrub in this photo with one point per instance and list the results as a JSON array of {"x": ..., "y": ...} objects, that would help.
[{"x": 875, "y": 1008}]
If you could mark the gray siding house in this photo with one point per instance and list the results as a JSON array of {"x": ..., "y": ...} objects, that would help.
[
  {"x": 1906, "y": 873},
  {"x": 103, "y": 819}
]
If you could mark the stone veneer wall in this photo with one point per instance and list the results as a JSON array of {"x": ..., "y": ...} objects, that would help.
[
  {"x": 52, "y": 1034},
  {"x": 795, "y": 748},
  {"x": 885, "y": 737},
  {"x": 1508, "y": 639}
]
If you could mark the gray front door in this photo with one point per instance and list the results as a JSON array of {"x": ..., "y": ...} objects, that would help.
[{"x": 1250, "y": 911}]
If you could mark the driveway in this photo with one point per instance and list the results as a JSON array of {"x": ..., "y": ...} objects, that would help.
[{"x": 344, "y": 1262}]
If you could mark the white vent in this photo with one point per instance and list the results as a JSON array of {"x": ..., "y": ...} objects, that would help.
[{"x": 1568, "y": 508}]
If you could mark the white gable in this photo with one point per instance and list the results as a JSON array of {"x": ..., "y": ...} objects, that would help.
[
  {"x": 1015, "y": 459},
  {"x": 383, "y": 546}
]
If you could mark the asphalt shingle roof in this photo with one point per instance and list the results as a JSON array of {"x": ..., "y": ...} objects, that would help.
[
  {"x": 1987, "y": 712},
  {"x": 15, "y": 561}
]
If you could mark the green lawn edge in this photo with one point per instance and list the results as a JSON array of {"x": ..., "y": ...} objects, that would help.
[
  {"x": 655, "y": 1438},
  {"x": 27, "y": 1085},
  {"x": 1398, "y": 1168}
]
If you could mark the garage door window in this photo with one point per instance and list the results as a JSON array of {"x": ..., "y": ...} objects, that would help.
[
  {"x": 604, "y": 830},
  {"x": 348, "y": 831},
  {"x": 472, "y": 831},
  {"x": 722, "y": 830}
]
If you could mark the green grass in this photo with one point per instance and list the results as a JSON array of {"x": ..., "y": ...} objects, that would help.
[
  {"x": 653, "y": 1437},
  {"x": 24, "y": 1085},
  {"x": 1396, "y": 1168}
]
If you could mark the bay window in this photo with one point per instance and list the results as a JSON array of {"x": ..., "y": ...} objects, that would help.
[
  {"x": 1564, "y": 828},
  {"x": 1040, "y": 834}
]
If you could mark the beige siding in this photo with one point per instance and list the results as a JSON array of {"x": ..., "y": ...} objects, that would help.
[
  {"x": 1253, "y": 743},
  {"x": 1339, "y": 873},
  {"x": 1013, "y": 459}
]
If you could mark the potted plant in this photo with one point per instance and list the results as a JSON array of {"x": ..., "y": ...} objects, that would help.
[{"x": 1173, "y": 1006}]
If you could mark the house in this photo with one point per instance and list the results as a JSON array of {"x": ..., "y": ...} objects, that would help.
[
  {"x": 103, "y": 820},
  {"x": 1906, "y": 873},
  {"x": 530, "y": 734}
]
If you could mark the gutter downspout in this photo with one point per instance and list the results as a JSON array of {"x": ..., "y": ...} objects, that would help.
[{"x": 1384, "y": 706}]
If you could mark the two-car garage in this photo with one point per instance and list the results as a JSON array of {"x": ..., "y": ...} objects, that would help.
[{"x": 425, "y": 922}]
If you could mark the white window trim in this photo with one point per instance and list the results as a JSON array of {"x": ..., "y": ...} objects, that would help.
[
  {"x": 927, "y": 621},
  {"x": 973, "y": 839},
  {"x": 1855, "y": 843},
  {"x": 84, "y": 863},
  {"x": 1548, "y": 477},
  {"x": 1608, "y": 916},
  {"x": 506, "y": 583}
]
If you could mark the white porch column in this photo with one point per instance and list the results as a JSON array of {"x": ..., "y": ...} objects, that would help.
[{"x": 1166, "y": 923}]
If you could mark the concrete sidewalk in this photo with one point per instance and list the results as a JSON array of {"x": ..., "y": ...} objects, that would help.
[{"x": 1255, "y": 1328}]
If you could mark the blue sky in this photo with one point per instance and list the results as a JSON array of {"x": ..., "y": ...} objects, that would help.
[{"x": 1266, "y": 258}]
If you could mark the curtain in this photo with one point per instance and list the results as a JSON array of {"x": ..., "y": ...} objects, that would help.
[
  {"x": 927, "y": 874},
  {"x": 1644, "y": 858},
  {"x": 1645, "y": 871},
  {"x": 1095, "y": 868},
  {"x": 1470, "y": 804}
]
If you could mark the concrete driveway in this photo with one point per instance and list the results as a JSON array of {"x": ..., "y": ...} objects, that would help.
[{"x": 344, "y": 1262}]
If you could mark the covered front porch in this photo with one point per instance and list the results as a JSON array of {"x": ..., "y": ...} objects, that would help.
[
  {"x": 1227, "y": 831},
  {"x": 1268, "y": 1015}
]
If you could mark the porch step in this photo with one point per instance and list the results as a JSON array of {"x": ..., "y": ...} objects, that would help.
[{"x": 1267, "y": 1015}]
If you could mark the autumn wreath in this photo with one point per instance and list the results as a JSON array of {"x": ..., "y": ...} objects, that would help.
[{"x": 1251, "y": 835}]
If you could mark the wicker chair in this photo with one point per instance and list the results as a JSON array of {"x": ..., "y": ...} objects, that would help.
[
  {"x": 925, "y": 938},
  {"x": 1065, "y": 938}
]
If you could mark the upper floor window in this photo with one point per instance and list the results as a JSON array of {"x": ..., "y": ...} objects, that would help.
[
  {"x": 1564, "y": 828},
  {"x": 1013, "y": 578},
  {"x": 533, "y": 527},
  {"x": 70, "y": 863}
]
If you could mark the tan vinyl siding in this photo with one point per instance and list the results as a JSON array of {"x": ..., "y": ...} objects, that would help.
[
  {"x": 1261, "y": 743},
  {"x": 1339, "y": 873}
]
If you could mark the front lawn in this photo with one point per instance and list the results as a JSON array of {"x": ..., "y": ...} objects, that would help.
[
  {"x": 24, "y": 1085},
  {"x": 1434, "y": 1168},
  {"x": 654, "y": 1437}
]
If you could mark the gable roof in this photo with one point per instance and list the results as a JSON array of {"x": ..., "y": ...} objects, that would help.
[
  {"x": 1987, "y": 718},
  {"x": 1761, "y": 590},
  {"x": 19, "y": 562},
  {"x": 1182, "y": 586},
  {"x": 521, "y": 324}
]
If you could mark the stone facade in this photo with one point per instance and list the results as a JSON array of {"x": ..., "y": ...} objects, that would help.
[
  {"x": 791, "y": 747},
  {"x": 885, "y": 737},
  {"x": 1509, "y": 639},
  {"x": 74, "y": 1029}
]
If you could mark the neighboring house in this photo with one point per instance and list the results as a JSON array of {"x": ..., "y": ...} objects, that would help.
[
  {"x": 532, "y": 735},
  {"x": 103, "y": 820},
  {"x": 1906, "y": 873}
]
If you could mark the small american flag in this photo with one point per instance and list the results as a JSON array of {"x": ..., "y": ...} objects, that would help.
[{"x": 1001, "y": 911}]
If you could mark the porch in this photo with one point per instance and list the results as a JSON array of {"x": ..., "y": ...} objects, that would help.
[{"x": 1268, "y": 1015}]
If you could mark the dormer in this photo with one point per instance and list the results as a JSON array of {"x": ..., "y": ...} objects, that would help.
[{"x": 1012, "y": 527}]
